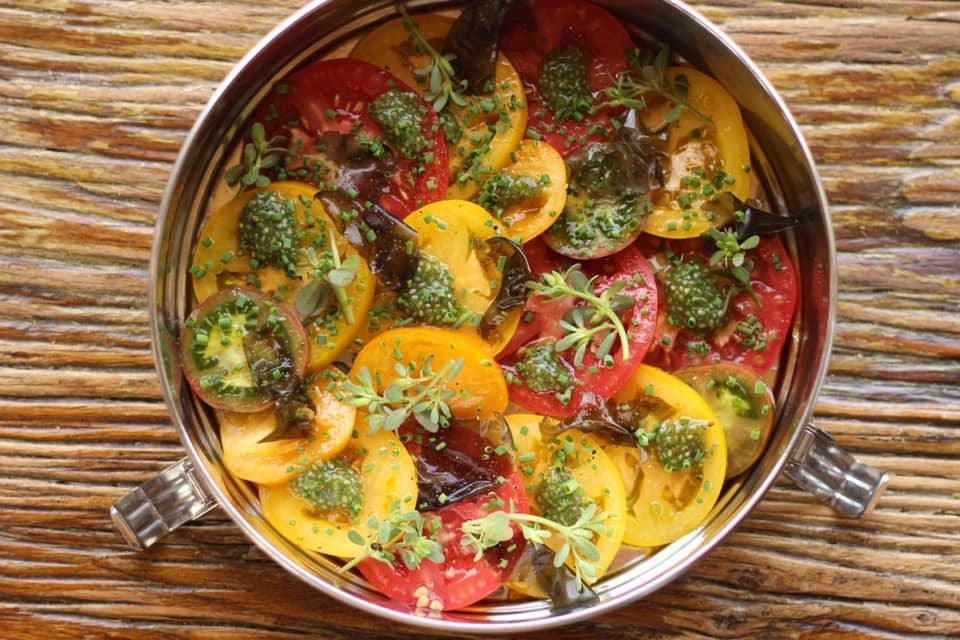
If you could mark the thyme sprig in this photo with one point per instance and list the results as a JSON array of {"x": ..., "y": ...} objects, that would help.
[
  {"x": 424, "y": 396},
  {"x": 343, "y": 273},
  {"x": 259, "y": 154},
  {"x": 332, "y": 275},
  {"x": 731, "y": 252},
  {"x": 601, "y": 315},
  {"x": 443, "y": 87},
  {"x": 483, "y": 533},
  {"x": 404, "y": 534},
  {"x": 650, "y": 76}
]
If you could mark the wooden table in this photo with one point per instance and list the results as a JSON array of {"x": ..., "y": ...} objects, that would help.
[{"x": 96, "y": 97}]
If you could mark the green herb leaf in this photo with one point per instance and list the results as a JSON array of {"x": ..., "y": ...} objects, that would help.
[
  {"x": 406, "y": 534},
  {"x": 483, "y": 533},
  {"x": 631, "y": 87},
  {"x": 259, "y": 154},
  {"x": 597, "y": 320},
  {"x": 443, "y": 87},
  {"x": 423, "y": 396}
]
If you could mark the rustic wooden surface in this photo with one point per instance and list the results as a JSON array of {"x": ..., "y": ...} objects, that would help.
[{"x": 96, "y": 97}]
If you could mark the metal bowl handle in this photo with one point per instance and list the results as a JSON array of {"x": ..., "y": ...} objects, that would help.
[
  {"x": 833, "y": 476},
  {"x": 160, "y": 505}
]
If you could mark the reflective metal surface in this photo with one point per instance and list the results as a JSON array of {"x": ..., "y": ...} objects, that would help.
[{"x": 781, "y": 160}]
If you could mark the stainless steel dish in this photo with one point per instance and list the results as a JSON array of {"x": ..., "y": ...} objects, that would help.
[{"x": 199, "y": 482}]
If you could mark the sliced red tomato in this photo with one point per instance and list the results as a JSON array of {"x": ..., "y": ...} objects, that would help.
[
  {"x": 334, "y": 96},
  {"x": 535, "y": 31},
  {"x": 540, "y": 322},
  {"x": 758, "y": 328},
  {"x": 460, "y": 580}
]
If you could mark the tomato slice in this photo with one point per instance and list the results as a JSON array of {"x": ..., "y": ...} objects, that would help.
[
  {"x": 247, "y": 456},
  {"x": 541, "y": 321},
  {"x": 334, "y": 96},
  {"x": 583, "y": 456},
  {"x": 459, "y": 580},
  {"x": 664, "y": 504},
  {"x": 387, "y": 475},
  {"x": 493, "y": 125},
  {"x": 221, "y": 335},
  {"x": 744, "y": 405},
  {"x": 455, "y": 232},
  {"x": 700, "y": 160},
  {"x": 758, "y": 328},
  {"x": 531, "y": 34},
  {"x": 526, "y": 219},
  {"x": 480, "y": 390}
]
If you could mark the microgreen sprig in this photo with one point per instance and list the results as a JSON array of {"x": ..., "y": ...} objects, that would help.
[
  {"x": 731, "y": 252},
  {"x": 332, "y": 275},
  {"x": 258, "y": 154},
  {"x": 404, "y": 534},
  {"x": 650, "y": 76},
  {"x": 443, "y": 87},
  {"x": 424, "y": 397},
  {"x": 483, "y": 533},
  {"x": 343, "y": 273},
  {"x": 602, "y": 314}
]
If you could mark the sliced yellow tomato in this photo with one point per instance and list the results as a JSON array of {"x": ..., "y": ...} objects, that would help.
[
  {"x": 480, "y": 389},
  {"x": 493, "y": 124},
  {"x": 219, "y": 263},
  {"x": 489, "y": 133},
  {"x": 387, "y": 475},
  {"x": 664, "y": 505},
  {"x": 583, "y": 456},
  {"x": 536, "y": 159},
  {"x": 703, "y": 159},
  {"x": 391, "y": 47},
  {"x": 278, "y": 461},
  {"x": 455, "y": 233}
]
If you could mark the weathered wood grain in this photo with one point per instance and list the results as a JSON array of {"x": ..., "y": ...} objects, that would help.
[{"x": 96, "y": 98}]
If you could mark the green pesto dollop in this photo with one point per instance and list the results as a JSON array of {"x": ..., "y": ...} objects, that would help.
[
  {"x": 330, "y": 486},
  {"x": 694, "y": 300},
  {"x": 267, "y": 230},
  {"x": 543, "y": 371},
  {"x": 503, "y": 190},
  {"x": 563, "y": 83},
  {"x": 561, "y": 497},
  {"x": 679, "y": 444},
  {"x": 429, "y": 297},
  {"x": 596, "y": 227},
  {"x": 401, "y": 116}
]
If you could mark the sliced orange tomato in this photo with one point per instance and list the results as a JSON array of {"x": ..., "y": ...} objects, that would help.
[
  {"x": 536, "y": 159},
  {"x": 218, "y": 263},
  {"x": 387, "y": 475},
  {"x": 703, "y": 159},
  {"x": 663, "y": 505},
  {"x": 493, "y": 125},
  {"x": 455, "y": 233},
  {"x": 277, "y": 461},
  {"x": 480, "y": 389},
  {"x": 583, "y": 456}
]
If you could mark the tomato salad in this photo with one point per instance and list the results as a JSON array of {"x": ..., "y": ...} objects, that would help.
[{"x": 482, "y": 307}]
